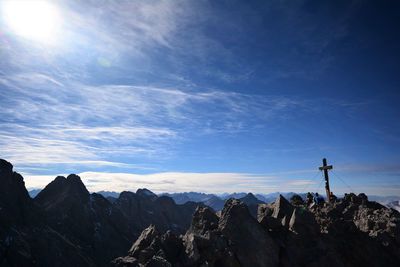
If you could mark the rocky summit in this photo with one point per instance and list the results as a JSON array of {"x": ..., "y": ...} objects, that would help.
[
  {"x": 65, "y": 225},
  {"x": 348, "y": 232}
]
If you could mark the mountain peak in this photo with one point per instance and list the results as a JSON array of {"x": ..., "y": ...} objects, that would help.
[
  {"x": 250, "y": 199},
  {"x": 62, "y": 188},
  {"x": 74, "y": 177},
  {"x": 15, "y": 203},
  {"x": 76, "y": 183},
  {"x": 145, "y": 192},
  {"x": 5, "y": 166}
]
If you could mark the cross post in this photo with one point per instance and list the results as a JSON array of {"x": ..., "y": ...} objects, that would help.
[{"x": 325, "y": 167}]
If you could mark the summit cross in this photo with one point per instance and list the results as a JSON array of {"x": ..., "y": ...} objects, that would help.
[{"x": 325, "y": 167}]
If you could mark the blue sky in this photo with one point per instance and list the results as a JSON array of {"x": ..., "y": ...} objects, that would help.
[{"x": 214, "y": 96}]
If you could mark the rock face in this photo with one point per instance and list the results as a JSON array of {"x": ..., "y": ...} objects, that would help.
[
  {"x": 65, "y": 225},
  {"x": 87, "y": 220},
  {"x": 141, "y": 210},
  {"x": 349, "y": 232},
  {"x": 15, "y": 203},
  {"x": 25, "y": 237},
  {"x": 247, "y": 236},
  {"x": 234, "y": 239}
]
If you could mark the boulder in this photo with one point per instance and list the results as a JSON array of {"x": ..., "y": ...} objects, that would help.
[
  {"x": 204, "y": 244},
  {"x": 250, "y": 242},
  {"x": 146, "y": 246},
  {"x": 282, "y": 208}
]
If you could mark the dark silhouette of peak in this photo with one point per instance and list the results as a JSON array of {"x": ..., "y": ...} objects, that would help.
[
  {"x": 76, "y": 184},
  {"x": 51, "y": 191},
  {"x": 65, "y": 225},
  {"x": 146, "y": 193},
  {"x": 5, "y": 166},
  {"x": 15, "y": 202},
  {"x": 63, "y": 190}
]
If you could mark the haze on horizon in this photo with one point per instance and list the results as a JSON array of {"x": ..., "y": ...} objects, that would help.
[{"x": 210, "y": 96}]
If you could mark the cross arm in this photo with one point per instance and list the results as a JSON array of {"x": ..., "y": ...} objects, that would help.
[{"x": 326, "y": 168}]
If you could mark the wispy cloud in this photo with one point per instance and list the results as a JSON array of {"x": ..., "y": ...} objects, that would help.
[{"x": 105, "y": 121}]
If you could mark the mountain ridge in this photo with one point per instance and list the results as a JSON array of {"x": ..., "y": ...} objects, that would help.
[{"x": 65, "y": 225}]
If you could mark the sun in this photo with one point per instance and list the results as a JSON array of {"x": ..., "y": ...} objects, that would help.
[{"x": 36, "y": 20}]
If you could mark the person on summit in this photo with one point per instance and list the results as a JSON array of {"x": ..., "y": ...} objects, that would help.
[
  {"x": 332, "y": 197},
  {"x": 309, "y": 198},
  {"x": 316, "y": 198}
]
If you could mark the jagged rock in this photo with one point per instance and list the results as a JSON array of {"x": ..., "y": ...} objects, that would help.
[
  {"x": 204, "y": 243},
  {"x": 264, "y": 210},
  {"x": 204, "y": 219},
  {"x": 271, "y": 223},
  {"x": 265, "y": 218},
  {"x": 172, "y": 247},
  {"x": 303, "y": 222},
  {"x": 127, "y": 261},
  {"x": 247, "y": 236},
  {"x": 282, "y": 208},
  {"x": 146, "y": 245},
  {"x": 153, "y": 249},
  {"x": 296, "y": 200},
  {"x": 313, "y": 237},
  {"x": 378, "y": 221}
]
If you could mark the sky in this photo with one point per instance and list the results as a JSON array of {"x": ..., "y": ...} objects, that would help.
[{"x": 212, "y": 96}]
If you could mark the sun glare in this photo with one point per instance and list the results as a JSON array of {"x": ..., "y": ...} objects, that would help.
[{"x": 35, "y": 20}]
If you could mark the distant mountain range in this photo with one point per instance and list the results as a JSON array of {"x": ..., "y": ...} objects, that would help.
[{"x": 217, "y": 201}]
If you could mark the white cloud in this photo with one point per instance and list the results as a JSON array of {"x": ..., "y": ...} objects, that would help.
[
  {"x": 89, "y": 146},
  {"x": 301, "y": 183},
  {"x": 52, "y": 122},
  {"x": 167, "y": 182}
]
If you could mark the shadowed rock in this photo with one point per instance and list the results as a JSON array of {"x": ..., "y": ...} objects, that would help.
[
  {"x": 247, "y": 236},
  {"x": 282, "y": 208}
]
